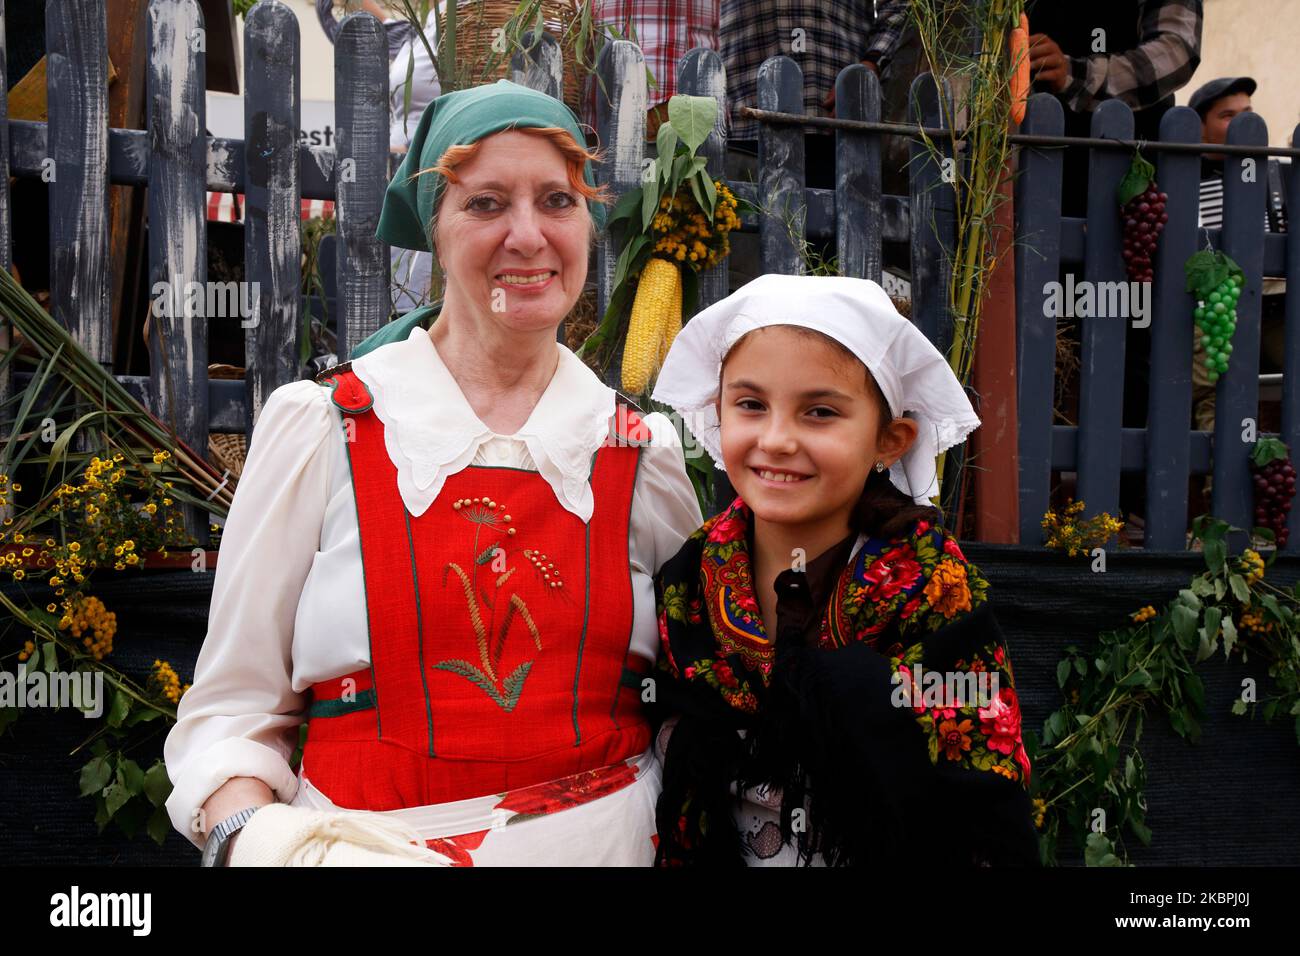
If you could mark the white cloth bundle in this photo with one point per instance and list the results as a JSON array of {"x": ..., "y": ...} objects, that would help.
[
  {"x": 282, "y": 835},
  {"x": 857, "y": 313}
]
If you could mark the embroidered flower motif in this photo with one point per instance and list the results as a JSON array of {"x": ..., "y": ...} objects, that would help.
[
  {"x": 954, "y": 738},
  {"x": 894, "y": 571},
  {"x": 950, "y": 547},
  {"x": 1000, "y": 722},
  {"x": 728, "y": 527},
  {"x": 947, "y": 590}
]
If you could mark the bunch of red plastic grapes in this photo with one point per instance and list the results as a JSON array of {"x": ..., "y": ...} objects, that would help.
[
  {"x": 1144, "y": 220},
  {"x": 1216, "y": 317},
  {"x": 1274, "y": 489}
]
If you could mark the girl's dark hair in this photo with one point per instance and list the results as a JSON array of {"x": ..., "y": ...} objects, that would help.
[{"x": 882, "y": 510}]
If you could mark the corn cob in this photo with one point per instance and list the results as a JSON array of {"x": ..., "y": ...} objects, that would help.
[
  {"x": 657, "y": 289},
  {"x": 674, "y": 323}
]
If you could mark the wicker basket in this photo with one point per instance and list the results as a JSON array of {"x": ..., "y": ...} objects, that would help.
[
  {"x": 475, "y": 21},
  {"x": 228, "y": 451}
]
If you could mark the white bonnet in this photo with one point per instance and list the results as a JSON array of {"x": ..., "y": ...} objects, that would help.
[{"x": 912, "y": 374}]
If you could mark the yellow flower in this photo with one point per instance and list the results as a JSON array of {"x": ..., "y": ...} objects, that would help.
[{"x": 1143, "y": 614}]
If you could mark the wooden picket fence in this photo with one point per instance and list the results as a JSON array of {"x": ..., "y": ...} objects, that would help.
[{"x": 179, "y": 165}]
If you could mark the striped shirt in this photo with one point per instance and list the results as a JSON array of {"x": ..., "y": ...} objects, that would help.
[
  {"x": 823, "y": 37},
  {"x": 1211, "y": 209}
]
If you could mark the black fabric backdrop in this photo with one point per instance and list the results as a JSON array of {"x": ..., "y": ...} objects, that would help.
[{"x": 1231, "y": 799}]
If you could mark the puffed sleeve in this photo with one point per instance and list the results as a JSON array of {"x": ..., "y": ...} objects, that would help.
[
  {"x": 240, "y": 717},
  {"x": 665, "y": 512}
]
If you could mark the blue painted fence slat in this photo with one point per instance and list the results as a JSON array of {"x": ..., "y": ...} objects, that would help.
[
  {"x": 272, "y": 211},
  {"x": 781, "y": 180},
  {"x": 857, "y": 176},
  {"x": 178, "y": 238},
  {"x": 933, "y": 211},
  {"x": 1169, "y": 408},
  {"x": 1101, "y": 402},
  {"x": 361, "y": 119},
  {"x": 1038, "y": 255},
  {"x": 1291, "y": 339},
  {"x": 77, "y": 93},
  {"x": 620, "y": 126},
  {"x": 1237, "y": 400}
]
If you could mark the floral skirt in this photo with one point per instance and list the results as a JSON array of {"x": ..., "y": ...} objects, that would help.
[{"x": 603, "y": 817}]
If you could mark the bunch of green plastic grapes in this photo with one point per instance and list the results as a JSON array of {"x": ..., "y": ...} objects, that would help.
[{"x": 1216, "y": 317}]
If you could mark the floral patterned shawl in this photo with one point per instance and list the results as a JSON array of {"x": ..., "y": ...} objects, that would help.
[{"x": 865, "y": 774}]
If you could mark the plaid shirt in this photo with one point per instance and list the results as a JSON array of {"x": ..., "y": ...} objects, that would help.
[
  {"x": 834, "y": 35},
  {"x": 886, "y": 33},
  {"x": 666, "y": 30},
  {"x": 1163, "y": 61},
  {"x": 1167, "y": 54}
]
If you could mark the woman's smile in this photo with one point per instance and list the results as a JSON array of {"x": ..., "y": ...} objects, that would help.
[{"x": 526, "y": 280}]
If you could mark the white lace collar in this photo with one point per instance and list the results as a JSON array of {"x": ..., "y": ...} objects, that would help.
[{"x": 431, "y": 432}]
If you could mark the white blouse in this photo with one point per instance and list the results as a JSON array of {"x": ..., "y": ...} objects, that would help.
[{"x": 288, "y": 600}]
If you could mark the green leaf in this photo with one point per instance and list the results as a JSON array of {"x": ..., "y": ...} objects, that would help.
[
  {"x": 95, "y": 776},
  {"x": 627, "y": 204},
  {"x": 50, "y": 657},
  {"x": 694, "y": 182},
  {"x": 115, "y": 797},
  {"x": 1239, "y": 589},
  {"x": 693, "y": 117},
  {"x": 627, "y": 257},
  {"x": 665, "y": 146},
  {"x": 157, "y": 785},
  {"x": 1062, "y": 672},
  {"x": 160, "y": 825},
  {"x": 1220, "y": 589},
  {"x": 1229, "y": 635},
  {"x": 1135, "y": 181},
  {"x": 1268, "y": 449},
  {"x": 1238, "y": 706},
  {"x": 1189, "y": 598},
  {"x": 1099, "y": 851},
  {"x": 117, "y": 710},
  {"x": 1183, "y": 619},
  {"x": 1139, "y": 678},
  {"x": 1081, "y": 666},
  {"x": 1215, "y": 553},
  {"x": 649, "y": 206},
  {"x": 1204, "y": 271},
  {"x": 130, "y": 776},
  {"x": 1195, "y": 689},
  {"x": 711, "y": 194}
]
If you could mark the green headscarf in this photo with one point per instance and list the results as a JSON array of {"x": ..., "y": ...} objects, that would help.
[{"x": 456, "y": 119}]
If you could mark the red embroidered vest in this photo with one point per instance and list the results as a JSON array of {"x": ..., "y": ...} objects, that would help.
[{"x": 499, "y": 630}]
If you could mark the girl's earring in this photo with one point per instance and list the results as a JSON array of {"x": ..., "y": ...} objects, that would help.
[{"x": 880, "y": 466}]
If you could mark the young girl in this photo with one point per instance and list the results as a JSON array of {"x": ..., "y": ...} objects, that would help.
[{"x": 802, "y": 628}]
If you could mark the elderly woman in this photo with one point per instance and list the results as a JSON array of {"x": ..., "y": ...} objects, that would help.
[{"x": 440, "y": 556}]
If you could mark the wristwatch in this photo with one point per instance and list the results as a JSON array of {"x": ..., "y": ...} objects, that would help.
[{"x": 217, "y": 849}]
